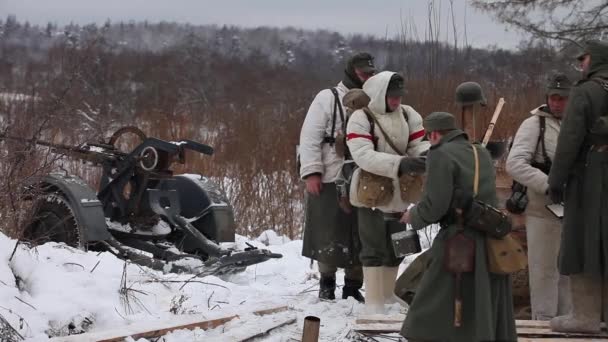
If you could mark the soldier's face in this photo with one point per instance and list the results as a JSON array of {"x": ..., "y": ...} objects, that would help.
[
  {"x": 585, "y": 62},
  {"x": 434, "y": 138},
  {"x": 557, "y": 104},
  {"x": 362, "y": 75},
  {"x": 393, "y": 102}
]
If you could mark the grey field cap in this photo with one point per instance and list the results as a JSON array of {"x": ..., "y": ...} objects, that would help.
[{"x": 439, "y": 121}]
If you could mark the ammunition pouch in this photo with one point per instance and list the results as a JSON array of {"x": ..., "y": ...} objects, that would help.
[
  {"x": 374, "y": 190},
  {"x": 410, "y": 187}
]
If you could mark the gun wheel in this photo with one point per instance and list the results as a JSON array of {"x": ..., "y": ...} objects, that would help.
[{"x": 54, "y": 221}]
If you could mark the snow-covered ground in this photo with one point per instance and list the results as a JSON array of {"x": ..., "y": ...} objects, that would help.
[{"x": 56, "y": 290}]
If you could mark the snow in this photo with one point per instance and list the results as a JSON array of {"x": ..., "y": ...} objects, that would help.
[
  {"x": 161, "y": 228},
  {"x": 96, "y": 149},
  {"x": 62, "y": 289},
  {"x": 17, "y": 97}
]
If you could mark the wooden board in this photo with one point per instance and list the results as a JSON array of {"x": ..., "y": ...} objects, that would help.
[
  {"x": 552, "y": 339},
  {"x": 526, "y": 330},
  {"x": 541, "y": 331},
  {"x": 367, "y": 319},
  {"x": 545, "y": 332},
  {"x": 262, "y": 328},
  {"x": 540, "y": 324},
  {"x": 379, "y": 328},
  {"x": 159, "y": 328}
]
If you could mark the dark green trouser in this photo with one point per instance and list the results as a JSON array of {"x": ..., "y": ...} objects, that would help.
[
  {"x": 375, "y": 235},
  {"x": 352, "y": 272}
]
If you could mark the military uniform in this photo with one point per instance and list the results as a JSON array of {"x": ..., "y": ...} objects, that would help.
[
  {"x": 373, "y": 153},
  {"x": 467, "y": 94},
  {"x": 581, "y": 165},
  {"x": 330, "y": 233},
  {"x": 535, "y": 141},
  {"x": 487, "y": 303}
]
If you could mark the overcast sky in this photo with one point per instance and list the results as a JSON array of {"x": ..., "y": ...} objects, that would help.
[{"x": 376, "y": 17}]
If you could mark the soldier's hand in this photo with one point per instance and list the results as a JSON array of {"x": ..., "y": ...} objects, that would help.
[
  {"x": 556, "y": 195},
  {"x": 405, "y": 218},
  {"x": 314, "y": 184},
  {"x": 412, "y": 165}
]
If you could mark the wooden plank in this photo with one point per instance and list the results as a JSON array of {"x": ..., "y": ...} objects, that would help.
[
  {"x": 540, "y": 324},
  {"x": 247, "y": 334},
  {"x": 379, "y": 321},
  {"x": 386, "y": 319},
  {"x": 542, "y": 332},
  {"x": 201, "y": 325},
  {"x": 378, "y": 327},
  {"x": 151, "y": 329},
  {"x": 537, "y": 339},
  {"x": 265, "y": 332}
]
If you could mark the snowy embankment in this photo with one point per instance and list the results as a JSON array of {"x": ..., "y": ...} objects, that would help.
[{"x": 54, "y": 290}]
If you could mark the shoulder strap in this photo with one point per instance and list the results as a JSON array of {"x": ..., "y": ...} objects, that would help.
[
  {"x": 338, "y": 104},
  {"x": 386, "y": 136},
  {"x": 476, "y": 177},
  {"x": 405, "y": 115},
  {"x": 333, "y": 119},
  {"x": 372, "y": 125},
  {"x": 541, "y": 139}
]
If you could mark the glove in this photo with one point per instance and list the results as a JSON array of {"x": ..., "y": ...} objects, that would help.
[
  {"x": 556, "y": 194},
  {"x": 412, "y": 165}
]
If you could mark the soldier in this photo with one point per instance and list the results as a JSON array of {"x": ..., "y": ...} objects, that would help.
[
  {"x": 529, "y": 163},
  {"x": 486, "y": 298},
  {"x": 468, "y": 95},
  {"x": 384, "y": 139},
  {"x": 580, "y": 172},
  {"x": 330, "y": 232}
]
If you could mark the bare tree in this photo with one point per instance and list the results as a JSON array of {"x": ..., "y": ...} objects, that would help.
[{"x": 569, "y": 20}]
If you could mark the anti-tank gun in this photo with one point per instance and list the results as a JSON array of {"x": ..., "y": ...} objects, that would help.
[{"x": 141, "y": 211}]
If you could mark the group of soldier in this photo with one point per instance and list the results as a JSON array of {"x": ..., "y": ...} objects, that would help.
[{"x": 559, "y": 155}]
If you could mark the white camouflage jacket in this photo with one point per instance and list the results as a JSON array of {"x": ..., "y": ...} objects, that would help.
[
  {"x": 525, "y": 150},
  {"x": 315, "y": 155},
  {"x": 407, "y": 136}
]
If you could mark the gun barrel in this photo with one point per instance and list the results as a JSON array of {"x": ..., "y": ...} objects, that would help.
[{"x": 83, "y": 152}]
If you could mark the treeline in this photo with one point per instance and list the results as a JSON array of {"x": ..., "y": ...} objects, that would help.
[{"x": 243, "y": 91}]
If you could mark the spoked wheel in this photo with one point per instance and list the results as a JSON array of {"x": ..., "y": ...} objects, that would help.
[{"x": 54, "y": 221}]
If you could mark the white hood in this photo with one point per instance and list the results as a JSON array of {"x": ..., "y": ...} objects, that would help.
[{"x": 375, "y": 87}]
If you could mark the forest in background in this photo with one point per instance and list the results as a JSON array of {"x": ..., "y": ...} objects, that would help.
[{"x": 243, "y": 91}]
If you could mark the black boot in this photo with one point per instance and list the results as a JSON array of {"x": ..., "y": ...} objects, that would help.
[
  {"x": 351, "y": 289},
  {"x": 327, "y": 286}
]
